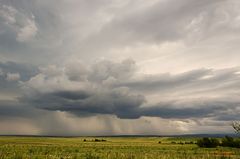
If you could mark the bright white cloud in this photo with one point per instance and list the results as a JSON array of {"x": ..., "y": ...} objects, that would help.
[
  {"x": 28, "y": 31},
  {"x": 8, "y": 14},
  {"x": 12, "y": 77},
  {"x": 23, "y": 25}
]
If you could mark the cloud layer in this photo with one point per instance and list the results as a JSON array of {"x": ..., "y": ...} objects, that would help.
[
  {"x": 115, "y": 88},
  {"x": 132, "y": 67}
]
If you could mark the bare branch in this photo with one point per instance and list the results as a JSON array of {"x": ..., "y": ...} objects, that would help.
[{"x": 236, "y": 126}]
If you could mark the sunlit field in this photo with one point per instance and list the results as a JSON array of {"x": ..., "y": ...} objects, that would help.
[{"x": 110, "y": 148}]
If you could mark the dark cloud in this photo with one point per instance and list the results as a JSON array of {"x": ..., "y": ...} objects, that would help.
[
  {"x": 10, "y": 109},
  {"x": 126, "y": 96},
  {"x": 72, "y": 95},
  {"x": 26, "y": 71},
  {"x": 115, "y": 88},
  {"x": 113, "y": 102},
  {"x": 65, "y": 65},
  {"x": 201, "y": 108},
  {"x": 127, "y": 106},
  {"x": 11, "y": 75}
]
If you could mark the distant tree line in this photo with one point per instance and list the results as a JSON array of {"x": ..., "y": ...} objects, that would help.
[
  {"x": 95, "y": 140},
  {"x": 225, "y": 142}
]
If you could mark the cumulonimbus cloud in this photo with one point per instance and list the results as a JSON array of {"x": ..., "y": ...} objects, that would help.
[
  {"x": 184, "y": 69},
  {"x": 116, "y": 88}
]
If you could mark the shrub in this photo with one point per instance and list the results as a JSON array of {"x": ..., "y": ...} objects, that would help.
[
  {"x": 227, "y": 141},
  {"x": 208, "y": 142},
  {"x": 190, "y": 142},
  {"x": 97, "y": 140},
  {"x": 230, "y": 142},
  {"x": 100, "y": 140}
]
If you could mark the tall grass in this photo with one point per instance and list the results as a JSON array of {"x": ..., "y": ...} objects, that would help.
[{"x": 112, "y": 148}]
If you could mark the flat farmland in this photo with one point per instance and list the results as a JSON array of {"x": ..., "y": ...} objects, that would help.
[{"x": 110, "y": 148}]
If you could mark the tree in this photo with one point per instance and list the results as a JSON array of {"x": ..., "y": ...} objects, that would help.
[
  {"x": 208, "y": 142},
  {"x": 236, "y": 126}
]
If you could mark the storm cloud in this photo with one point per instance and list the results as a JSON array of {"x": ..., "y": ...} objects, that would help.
[
  {"x": 126, "y": 67},
  {"x": 115, "y": 88}
]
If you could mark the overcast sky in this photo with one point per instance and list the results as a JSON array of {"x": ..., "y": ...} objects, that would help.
[{"x": 110, "y": 67}]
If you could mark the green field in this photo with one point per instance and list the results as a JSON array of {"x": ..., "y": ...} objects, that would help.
[{"x": 112, "y": 148}]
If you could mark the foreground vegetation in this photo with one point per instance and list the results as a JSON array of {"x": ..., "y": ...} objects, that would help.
[
  {"x": 110, "y": 148},
  {"x": 227, "y": 141}
]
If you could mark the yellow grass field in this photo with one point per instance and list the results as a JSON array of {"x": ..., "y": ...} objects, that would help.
[{"x": 110, "y": 148}]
